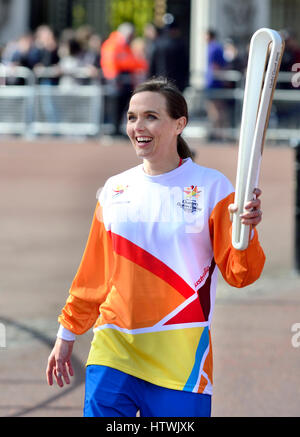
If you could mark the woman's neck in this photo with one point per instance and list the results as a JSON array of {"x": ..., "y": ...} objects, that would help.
[{"x": 156, "y": 168}]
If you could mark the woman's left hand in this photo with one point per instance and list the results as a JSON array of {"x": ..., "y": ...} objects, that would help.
[{"x": 253, "y": 214}]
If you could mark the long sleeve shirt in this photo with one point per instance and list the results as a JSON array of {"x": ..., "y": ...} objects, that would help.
[{"x": 147, "y": 279}]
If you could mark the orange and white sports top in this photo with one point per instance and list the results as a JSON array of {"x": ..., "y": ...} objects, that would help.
[{"x": 147, "y": 279}]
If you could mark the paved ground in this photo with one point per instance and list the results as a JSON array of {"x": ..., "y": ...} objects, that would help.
[{"x": 47, "y": 191}]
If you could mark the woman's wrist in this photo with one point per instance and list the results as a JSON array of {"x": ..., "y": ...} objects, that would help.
[{"x": 65, "y": 334}]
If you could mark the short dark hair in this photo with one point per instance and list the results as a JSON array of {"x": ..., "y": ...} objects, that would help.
[
  {"x": 212, "y": 33},
  {"x": 176, "y": 105}
]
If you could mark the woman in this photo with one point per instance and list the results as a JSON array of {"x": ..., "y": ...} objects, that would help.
[{"x": 147, "y": 279}]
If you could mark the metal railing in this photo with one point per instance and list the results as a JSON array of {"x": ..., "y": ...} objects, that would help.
[
  {"x": 30, "y": 106},
  {"x": 284, "y": 123}
]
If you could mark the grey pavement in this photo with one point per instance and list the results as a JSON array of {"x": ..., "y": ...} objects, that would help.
[{"x": 47, "y": 191}]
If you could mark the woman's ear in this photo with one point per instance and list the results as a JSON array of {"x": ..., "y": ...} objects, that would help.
[{"x": 181, "y": 123}]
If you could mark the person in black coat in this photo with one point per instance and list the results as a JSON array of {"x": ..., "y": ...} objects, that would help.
[{"x": 169, "y": 57}]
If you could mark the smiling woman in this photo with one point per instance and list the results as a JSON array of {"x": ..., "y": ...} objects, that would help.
[
  {"x": 147, "y": 279},
  {"x": 153, "y": 132},
  {"x": 174, "y": 104}
]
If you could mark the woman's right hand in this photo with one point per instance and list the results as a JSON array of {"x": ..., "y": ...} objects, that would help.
[{"x": 59, "y": 362}]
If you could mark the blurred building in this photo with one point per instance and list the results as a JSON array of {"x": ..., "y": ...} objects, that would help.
[{"x": 234, "y": 19}]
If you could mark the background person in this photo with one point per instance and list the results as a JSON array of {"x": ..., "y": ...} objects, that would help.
[
  {"x": 47, "y": 71},
  {"x": 215, "y": 106},
  {"x": 169, "y": 56},
  {"x": 119, "y": 66}
]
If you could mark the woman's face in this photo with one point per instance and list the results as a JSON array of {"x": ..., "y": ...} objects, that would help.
[{"x": 151, "y": 130}]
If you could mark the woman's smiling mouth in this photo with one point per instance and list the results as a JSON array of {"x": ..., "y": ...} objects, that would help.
[{"x": 143, "y": 141}]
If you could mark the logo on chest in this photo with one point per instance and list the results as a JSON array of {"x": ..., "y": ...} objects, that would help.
[
  {"x": 190, "y": 202},
  {"x": 119, "y": 194},
  {"x": 118, "y": 190}
]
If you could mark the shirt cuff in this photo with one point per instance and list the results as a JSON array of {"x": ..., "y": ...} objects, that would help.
[{"x": 65, "y": 334}]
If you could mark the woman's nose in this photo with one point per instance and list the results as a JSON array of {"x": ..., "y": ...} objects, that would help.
[{"x": 139, "y": 124}]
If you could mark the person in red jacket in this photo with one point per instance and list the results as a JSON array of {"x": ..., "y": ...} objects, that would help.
[{"x": 119, "y": 65}]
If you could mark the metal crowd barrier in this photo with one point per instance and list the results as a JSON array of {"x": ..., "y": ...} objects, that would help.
[
  {"x": 16, "y": 101},
  {"x": 284, "y": 123},
  {"x": 31, "y": 107}
]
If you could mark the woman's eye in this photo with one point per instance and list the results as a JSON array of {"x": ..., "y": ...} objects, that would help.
[
  {"x": 131, "y": 118},
  {"x": 151, "y": 117}
]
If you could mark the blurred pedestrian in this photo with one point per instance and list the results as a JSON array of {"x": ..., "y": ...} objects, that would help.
[
  {"x": 82, "y": 35},
  {"x": 119, "y": 64},
  {"x": 236, "y": 63},
  {"x": 150, "y": 35},
  {"x": 70, "y": 63},
  {"x": 8, "y": 50},
  {"x": 22, "y": 53},
  {"x": 47, "y": 71},
  {"x": 25, "y": 53},
  {"x": 90, "y": 43},
  {"x": 138, "y": 47},
  {"x": 48, "y": 58},
  {"x": 89, "y": 61},
  {"x": 291, "y": 54},
  {"x": 91, "y": 56},
  {"x": 286, "y": 112},
  {"x": 215, "y": 105},
  {"x": 147, "y": 279},
  {"x": 169, "y": 56},
  {"x": 63, "y": 45},
  {"x": 235, "y": 60}
]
